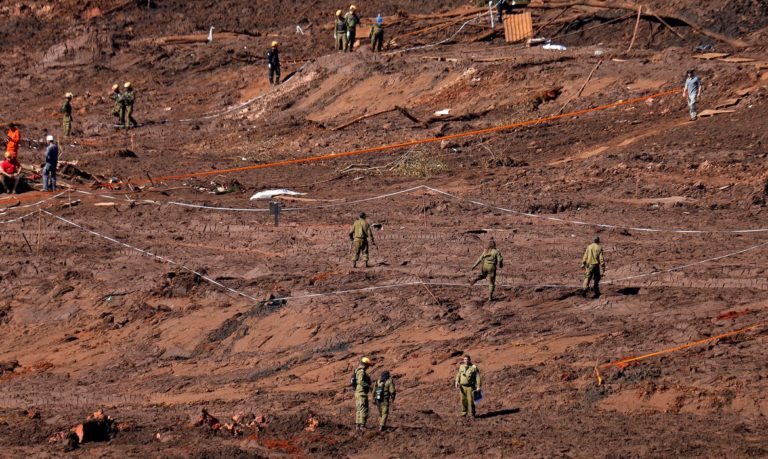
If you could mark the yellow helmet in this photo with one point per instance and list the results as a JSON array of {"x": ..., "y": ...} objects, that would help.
[
  {"x": 127, "y": 84},
  {"x": 115, "y": 86},
  {"x": 274, "y": 43},
  {"x": 365, "y": 360},
  {"x": 338, "y": 12},
  {"x": 352, "y": 7},
  {"x": 69, "y": 95}
]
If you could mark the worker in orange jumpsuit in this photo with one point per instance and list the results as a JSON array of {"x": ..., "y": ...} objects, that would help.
[{"x": 14, "y": 137}]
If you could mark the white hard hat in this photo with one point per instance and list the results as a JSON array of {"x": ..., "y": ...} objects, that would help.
[{"x": 49, "y": 138}]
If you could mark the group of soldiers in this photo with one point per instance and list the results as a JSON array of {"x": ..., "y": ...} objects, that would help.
[
  {"x": 345, "y": 31},
  {"x": 593, "y": 260},
  {"x": 467, "y": 380},
  {"x": 123, "y": 108}
]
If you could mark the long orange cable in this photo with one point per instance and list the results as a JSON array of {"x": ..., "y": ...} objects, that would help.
[{"x": 626, "y": 361}]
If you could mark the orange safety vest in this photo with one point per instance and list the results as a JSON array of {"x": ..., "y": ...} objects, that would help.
[{"x": 14, "y": 137}]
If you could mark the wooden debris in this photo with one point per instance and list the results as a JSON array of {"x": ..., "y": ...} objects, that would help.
[
  {"x": 402, "y": 110},
  {"x": 660, "y": 15},
  {"x": 710, "y": 56},
  {"x": 727, "y": 103},
  {"x": 637, "y": 26},
  {"x": 737, "y": 60},
  {"x": 713, "y": 112}
]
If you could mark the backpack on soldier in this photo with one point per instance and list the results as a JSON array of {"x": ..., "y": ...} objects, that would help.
[{"x": 378, "y": 392}]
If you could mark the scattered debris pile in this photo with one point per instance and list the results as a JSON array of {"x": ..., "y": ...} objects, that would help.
[
  {"x": 9, "y": 366},
  {"x": 240, "y": 423}
]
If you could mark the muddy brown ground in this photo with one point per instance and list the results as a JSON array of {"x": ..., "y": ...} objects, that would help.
[{"x": 96, "y": 324}]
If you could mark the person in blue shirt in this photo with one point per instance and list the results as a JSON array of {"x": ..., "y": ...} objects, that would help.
[{"x": 692, "y": 90}]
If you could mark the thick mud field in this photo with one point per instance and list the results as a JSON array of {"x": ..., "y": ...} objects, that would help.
[{"x": 150, "y": 285}]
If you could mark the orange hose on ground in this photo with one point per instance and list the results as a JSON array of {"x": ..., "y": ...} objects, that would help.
[
  {"x": 626, "y": 361},
  {"x": 410, "y": 143}
]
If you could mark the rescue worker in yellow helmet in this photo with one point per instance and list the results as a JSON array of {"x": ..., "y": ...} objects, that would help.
[
  {"x": 340, "y": 32},
  {"x": 119, "y": 109},
  {"x": 129, "y": 98},
  {"x": 273, "y": 62},
  {"x": 66, "y": 111},
  {"x": 352, "y": 20},
  {"x": 361, "y": 383}
]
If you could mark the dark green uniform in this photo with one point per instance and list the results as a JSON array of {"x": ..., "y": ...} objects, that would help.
[
  {"x": 352, "y": 20},
  {"x": 66, "y": 122},
  {"x": 340, "y": 34},
  {"x": 359, "y": 234},
  {"x": 129, "y": 98},
  {"x": 377, "y": 37},
  {"x": 468, "y": 380},
  {"x": 594, "y": 264},
  {"x": 119, "y": 109},
  {"x": 384, "y": 395},
  {"x": 362, "y": 387},
  {"x": 491, "y": 258}
]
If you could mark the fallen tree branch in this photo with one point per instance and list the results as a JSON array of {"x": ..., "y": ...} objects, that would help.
[
  {"x": 396, "y": 108},
  {"x": 621, "y": 5},
  {"x": 637, "y": 26},
  {"x": 578, "y": 94}
]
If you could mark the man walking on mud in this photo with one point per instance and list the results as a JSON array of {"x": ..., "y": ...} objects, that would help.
[
  {"x": 467, "y": 381},
  {"x": 490, "y": 258},
  {"x": 593, "y": 262},
  {"x": 359, "y": 234},
  {"x": 119, "y": 108},
  {"x": 361, "y": 383},
  {"x": 692, "y": 91}
]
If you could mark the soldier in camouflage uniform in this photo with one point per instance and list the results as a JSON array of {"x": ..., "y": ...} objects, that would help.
[
  {"x": 119, "y": 109},
  {"x": 359, "y": 234},
  {"x": 352, "y": 21},
  {"x": 377, "y": 34},
  {"x": 129, "y": 98},
  {"x": 467, "y": 381},
  {"x": 593, "y": 263},
  {"x": 340, "y": 32},
  {"x": 66, "y": 111},
  {"x": 491, "y": 259},
  {"x": 384, "y": 396}
]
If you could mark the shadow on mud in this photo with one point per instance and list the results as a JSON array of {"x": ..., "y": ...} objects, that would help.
[{"x": 496, "y": 413}]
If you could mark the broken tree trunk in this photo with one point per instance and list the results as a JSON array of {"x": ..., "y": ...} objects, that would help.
[{"x": 621, "y": 5}]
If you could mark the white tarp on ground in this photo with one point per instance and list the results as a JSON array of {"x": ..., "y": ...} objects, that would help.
[{"x": 269, "y": 194}]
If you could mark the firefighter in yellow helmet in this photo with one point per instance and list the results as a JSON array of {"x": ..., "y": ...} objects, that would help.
[
  {"x": 352, "y": 20},
  {"x": 119, "y": 109},
  {"x": 129, "y": 98},
  {"x": 66, "y": 111},
  {"x": 340, "y": 32},
  {"x": 361, "y": 383}
]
